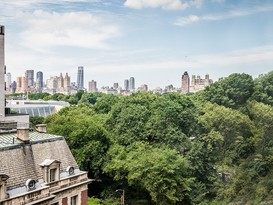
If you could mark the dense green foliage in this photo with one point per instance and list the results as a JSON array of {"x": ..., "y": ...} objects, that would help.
[{"x": 212, "y": 147}]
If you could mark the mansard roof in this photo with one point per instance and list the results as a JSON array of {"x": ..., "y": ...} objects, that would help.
[{"x": 22, "y": 161}]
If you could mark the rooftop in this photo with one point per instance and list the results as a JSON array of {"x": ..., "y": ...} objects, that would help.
[
  {"x": 8, "y": 140},
  {"x": 22, "y": 161}
]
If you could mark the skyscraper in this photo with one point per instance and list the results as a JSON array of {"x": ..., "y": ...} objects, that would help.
[
  {"x": 132, "y": 83},
  {"x": 39, "y": 81},
  {"x": 115, "y": 85},
  {"x": 185, "y": 85},
  {"x": 60, "y": 82},
  {"x": 22, "y": 84},
  {"x": 92, "y": 88},
  {"x": 66, "y": 81},
  {"x": 29, "y": 74},
  {"x": 80, "y": 79},
  {"x": 126, "y": 84},
  {"x": 52, "y": 83},
  {"x": 2, "y": 73}
]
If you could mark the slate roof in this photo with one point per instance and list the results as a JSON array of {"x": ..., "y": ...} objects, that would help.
[{"x": 22, "y": 161}]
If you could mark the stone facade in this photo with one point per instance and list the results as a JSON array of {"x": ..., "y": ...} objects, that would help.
[
  {"x": 185, "y": 86},
  {"x": 32, "y": 159}
]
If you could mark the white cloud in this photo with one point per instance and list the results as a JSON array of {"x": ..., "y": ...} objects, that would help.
[
  {"x": 183, "y": 21},
  {"x": 187, "y": 20},
  {"x": 218, "y": 1},
  {"x": 47, "y": 29},
  {"x": 164, "y": 4},
  {"x": 27, "y": 3}
]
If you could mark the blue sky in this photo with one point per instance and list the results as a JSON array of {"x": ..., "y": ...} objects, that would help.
[{"x": 153, "y": 40}]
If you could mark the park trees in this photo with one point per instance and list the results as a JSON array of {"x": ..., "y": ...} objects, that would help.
[
  {"x": 159, "y": 171},
  {"x": 211, "y": 147}
]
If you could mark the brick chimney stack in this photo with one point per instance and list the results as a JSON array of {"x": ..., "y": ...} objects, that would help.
[
  {"x": 41, "y": 128},
  {"x": 23, "y": 134}
]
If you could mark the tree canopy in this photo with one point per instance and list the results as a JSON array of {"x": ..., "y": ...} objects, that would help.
[{"x": 211, "y": 147}]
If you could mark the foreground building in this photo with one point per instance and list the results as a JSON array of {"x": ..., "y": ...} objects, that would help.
[{"x": 38, "y": 168}]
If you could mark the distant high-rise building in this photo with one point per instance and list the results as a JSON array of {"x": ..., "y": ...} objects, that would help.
[
  {"x": 126, "y": 84},
  {"x": 132, "y": 83},
  {"x": 80, "y": 79},
  {"x": 143, "y": 88},
  {"x": 22, "y": 84},
  {"x": 8, "y": 81},
  {"x": 29, "y": 74},
  {"x": 52, "y": 83},
  {"x": 92, "y": 86},
  {"x": 66, "y": 81},
  {"x": 115, "y": 85},
  {"x": 60, "y": 82},
  {"x": 13, "y": 87},
  {"x": 2, "y": 72},
  {"x": 39, "y": 81},
  {"x": 185, "y": 87},
  {"x": 198, "y": 84}
]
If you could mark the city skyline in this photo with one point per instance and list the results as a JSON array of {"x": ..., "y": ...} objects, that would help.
[{"x": 154, "y": 41}]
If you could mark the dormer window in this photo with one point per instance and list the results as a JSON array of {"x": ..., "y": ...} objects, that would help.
[
  {"x": 51, "y": 170},
  {"x": 52, "y": 174},
  {"x": 3, "y": 186}
]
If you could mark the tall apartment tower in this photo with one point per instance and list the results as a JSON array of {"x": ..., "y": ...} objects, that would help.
[
  {"x": 2, "y": 73},
  {"x": 39, "y": 81},
  {"x": 126, "y": 84},
  {"x": 60, "y": 82},
  {"x": 132, "y": 83},
  {"x": 52, "y": 83},
  {"x": 80, "y": 78},
  {"x": 92, "y": 86},
  {"x": 29, "y": 74},
  {"x": 115, "y": 85},
  {"x": 185, "y": 87},
  {"x": 22, "y": 84},
  {"x": 66, "y": 81}
]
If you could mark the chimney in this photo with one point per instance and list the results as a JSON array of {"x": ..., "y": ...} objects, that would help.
[
  {"x": 41, "y": 128},
  {"x": 23, "y": 134}
]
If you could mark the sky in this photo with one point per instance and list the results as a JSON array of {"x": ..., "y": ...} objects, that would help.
[{"x": 155, "y": 41}]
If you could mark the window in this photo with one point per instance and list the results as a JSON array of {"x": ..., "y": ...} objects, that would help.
[
  {"x": 1, "y": 192},
  {"x": 74, "y": 200},
  {"x": 30, "y": 184},
  {"x": 52, "y": 176}
]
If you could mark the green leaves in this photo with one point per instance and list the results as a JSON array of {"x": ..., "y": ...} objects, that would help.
[
  {"x": 213, "y": 147},
  {"x": 165, "y": 119},
  {"x": 233, "y": 91},
  {"x": 159, "y": 171}
]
